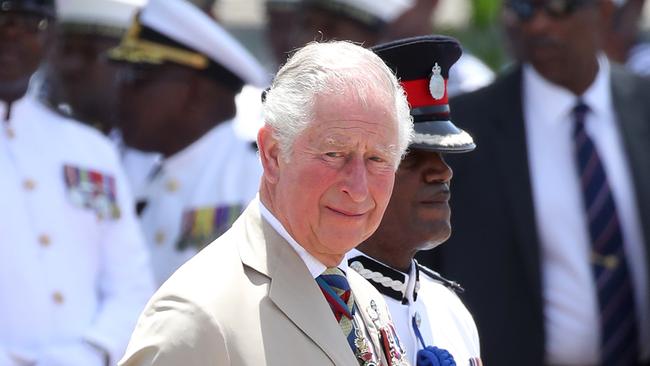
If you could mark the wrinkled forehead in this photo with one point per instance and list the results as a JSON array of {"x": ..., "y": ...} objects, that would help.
[
  {"x": 348, "y": 124},
  {"x": 363, "y": 108}
]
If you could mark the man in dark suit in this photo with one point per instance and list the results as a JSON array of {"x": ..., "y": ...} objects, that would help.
[{"x": 552, "y": 211}]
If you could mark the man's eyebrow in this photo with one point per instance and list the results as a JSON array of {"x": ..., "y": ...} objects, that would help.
[
  {"x": 343, "y": 141},
  {"x": 388, "y": 149}
]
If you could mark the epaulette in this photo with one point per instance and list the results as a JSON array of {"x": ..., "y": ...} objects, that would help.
[{"x": 452, "y": 285}]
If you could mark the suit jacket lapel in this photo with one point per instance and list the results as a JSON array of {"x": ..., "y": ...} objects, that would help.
[
  {"x": 630, "y": 106},
  {"x": 511, "y": 155},
  {"x": 292, "y": 287}
]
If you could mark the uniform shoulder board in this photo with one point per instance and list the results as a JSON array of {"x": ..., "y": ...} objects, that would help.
[{"x": 452, "y": 285}]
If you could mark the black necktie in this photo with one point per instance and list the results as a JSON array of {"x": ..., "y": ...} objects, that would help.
[{"x": 618, "y": 321}]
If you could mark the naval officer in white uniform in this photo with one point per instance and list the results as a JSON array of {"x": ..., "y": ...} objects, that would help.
[
  {"x": 181, "y": 74},
  {"x": 74, "y": 271}
]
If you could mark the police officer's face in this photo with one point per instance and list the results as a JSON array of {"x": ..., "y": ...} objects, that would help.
[
  {"x": 81, "y": 75},
  {"x": 24, "y": 37},
  {"x": 418, "y": 215},
  {"x": 558, "y": 37}
]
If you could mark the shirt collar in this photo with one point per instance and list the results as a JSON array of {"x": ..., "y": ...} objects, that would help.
[
  {"x": 315, "y": 267},
  {"x": 387, "y": 280},
  {"x": 598, "y": 96},
  {"x": 558, "y": 101}
]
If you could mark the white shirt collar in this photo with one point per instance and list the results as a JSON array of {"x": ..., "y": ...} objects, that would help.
[
  {"x": 558, "y": 101},
  {"x": 316, "y": 268}
]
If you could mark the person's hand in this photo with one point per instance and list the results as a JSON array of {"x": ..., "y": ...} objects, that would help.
[{"x": 434, "y": 356}]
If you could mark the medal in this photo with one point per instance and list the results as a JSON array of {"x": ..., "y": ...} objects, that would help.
[{"x": 363, "y": 352}]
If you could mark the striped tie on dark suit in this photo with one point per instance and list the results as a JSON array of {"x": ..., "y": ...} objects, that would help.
[{"x": 618, "y": 320}]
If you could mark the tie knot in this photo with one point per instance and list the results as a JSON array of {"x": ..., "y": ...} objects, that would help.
[
  {"x": 580, "y": 110},
  {"x": 335, "y": 278}
]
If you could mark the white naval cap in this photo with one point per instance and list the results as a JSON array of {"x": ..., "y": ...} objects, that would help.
[
  {"x": 367, "y": 11},
  {"x": 106, "y": 17},
  {"x": 177, "y": 31}
]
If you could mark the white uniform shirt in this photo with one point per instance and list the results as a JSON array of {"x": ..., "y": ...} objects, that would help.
[
  {"x": 444, "y": 321},
  {"x": 73, "y": 265},
  {"x": 570, "y": 299},
  {"x": 140, "y": 166},
  {"x": 197, "y": 195}
]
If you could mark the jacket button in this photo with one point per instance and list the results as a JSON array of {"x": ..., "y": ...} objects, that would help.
[
  {"x": 29, "y": 184},
  {"x": 44, "y": 240},
  {"x": 160, "y": 237},
  {"x": 172, "y": 185},
  {"x": 57, "y": 297}
]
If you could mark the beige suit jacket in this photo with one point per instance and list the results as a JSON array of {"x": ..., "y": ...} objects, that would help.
[{"x": 248, "y": 299}]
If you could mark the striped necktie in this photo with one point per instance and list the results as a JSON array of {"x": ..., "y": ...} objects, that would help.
[
  {"x": 618, "y": 321},
  {"x": 336, "y": 289}
]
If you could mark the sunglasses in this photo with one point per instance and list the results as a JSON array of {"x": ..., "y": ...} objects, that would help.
[{"x": 526, "y": 9}]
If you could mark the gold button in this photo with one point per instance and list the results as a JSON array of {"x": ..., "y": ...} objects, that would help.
[
  {"x": 44, "y": 240},
  {"x": 172, "y": 185},
  {"x": 29, "y": 184},
  {"x": 57, "y": 297},
  {"x": 10, "y": 132},
  {"x": 160, "y": 237}
]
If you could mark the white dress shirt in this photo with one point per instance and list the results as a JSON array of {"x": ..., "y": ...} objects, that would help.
[
  {"x": 196, "y": 195},
  {"x": 315, "y": 267},
  {"x": 443, "y": 319},
  {"x": 74, "y": 269},
  {"x": 569, "y": 292}
]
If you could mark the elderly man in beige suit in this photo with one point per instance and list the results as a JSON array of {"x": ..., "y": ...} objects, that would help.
[{"x": 275, "y": 289}]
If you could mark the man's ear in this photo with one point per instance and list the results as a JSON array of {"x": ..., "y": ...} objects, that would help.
[{"x": 269, "y": 149}]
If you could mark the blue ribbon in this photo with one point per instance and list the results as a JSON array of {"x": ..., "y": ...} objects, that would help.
[{"x": 430, "y": 355}]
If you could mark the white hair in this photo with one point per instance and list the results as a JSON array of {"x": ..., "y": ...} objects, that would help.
[{"x": 328, "y": 69}]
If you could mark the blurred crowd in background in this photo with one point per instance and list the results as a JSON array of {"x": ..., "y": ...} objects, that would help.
[{"x": 178, "y": 101}]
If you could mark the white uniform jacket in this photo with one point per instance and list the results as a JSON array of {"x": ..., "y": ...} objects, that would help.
[
  {"x": 74, "y": 269},
  {"x": 197, "y": 195},
  {"x": 417, "y": 299}
]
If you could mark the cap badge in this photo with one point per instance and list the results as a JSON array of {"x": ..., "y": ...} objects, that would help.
[{"x": 436, "y": 83}]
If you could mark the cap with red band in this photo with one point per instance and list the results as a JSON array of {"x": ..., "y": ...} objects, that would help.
[{"x": 422, "y": 65}]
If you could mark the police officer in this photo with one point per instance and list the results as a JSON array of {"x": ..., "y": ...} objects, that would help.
[
  {"x": 430, "y": 319},
  {"x": 73, "y": 266},
  {"x": 182, "y": 72}
]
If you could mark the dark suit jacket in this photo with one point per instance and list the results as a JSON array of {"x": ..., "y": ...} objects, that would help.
[{"x": 494, "y": 249}]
